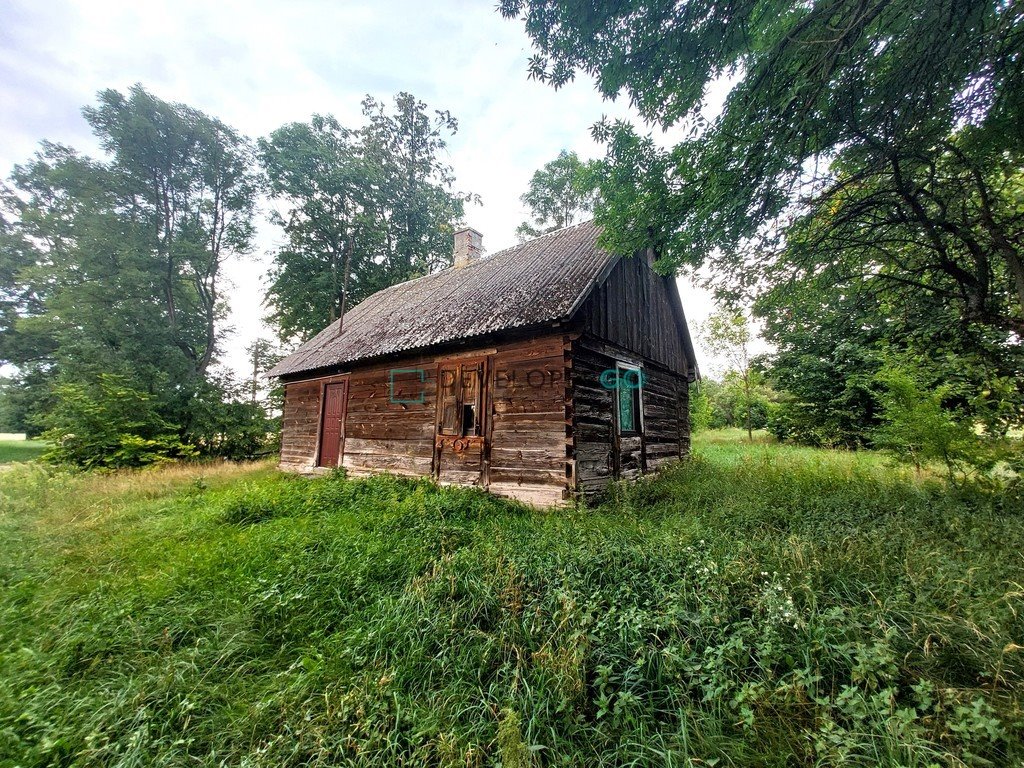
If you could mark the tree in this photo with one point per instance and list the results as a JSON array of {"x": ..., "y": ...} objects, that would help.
[
  {"x": 701, "y": 413},
  {"x": 833, "y": 336},
  {"x": 945, "y": 222},
  {"x": 264, "y": 354},
  {"x": 116, "y": 263},
  {"x": 728, "y": 333},
  {"x": 916, "y": 427},
  {"x": 827, "y": 349},
  {"x": 559, "y": 193},
  {"x": 867, "y": 107},
  {"x": 187, "y": 179},
  {"x": 417, "y": 207},
  {"x": 366, "y": 208},
  {"x": 317, "y": 169}
]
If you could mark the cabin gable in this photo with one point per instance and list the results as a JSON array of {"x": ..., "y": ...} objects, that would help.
[
  {"x": 632, "y": 363},
  {"x": 638, "y": 310}
]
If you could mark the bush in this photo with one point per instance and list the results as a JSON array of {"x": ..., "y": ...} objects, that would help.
[
  {"x": 106, "y": 423},
  {"x": 917, "y": 428},
  {"x": 220, "y": 422},
  {"x": 806, "y": 424}
]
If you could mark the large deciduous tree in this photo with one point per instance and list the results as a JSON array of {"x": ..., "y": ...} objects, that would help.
[
  {"x": 862, "y": 181},
  {"x": 850, "y": 112},
  {"x": 729, "y": 334},
  {"x": 560, "y": 193},
  {"x": 116, "y": 263},
  {"x": 365, "y": 208},
  {"x": 187, "y": 180}
]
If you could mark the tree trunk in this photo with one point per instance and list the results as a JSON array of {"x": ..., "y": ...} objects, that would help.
[{"x": 746, "y": 392}]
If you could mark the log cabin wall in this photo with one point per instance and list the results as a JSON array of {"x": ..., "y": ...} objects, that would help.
[
  {"x": 389, "y": 424},
  {"x": 592, "y": 429},
  {"x": 392, "y": 421},
  {"x": 528, "y": 451},
  {"x": 666, "y": 422},
  {"x": 300, "y": 425},
  {"x": 601, "y": 454},
  {"x": 634, "y": 317}
]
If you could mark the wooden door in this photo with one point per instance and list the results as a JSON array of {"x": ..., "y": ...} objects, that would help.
[
  {"x": 460, "y": 442},
  {"x": 332, "y": 425}
]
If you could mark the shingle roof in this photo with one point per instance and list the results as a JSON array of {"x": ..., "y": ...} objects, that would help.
[{"x": 543, "y": 280}]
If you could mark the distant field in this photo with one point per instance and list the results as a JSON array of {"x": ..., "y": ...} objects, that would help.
[
  {"x": 20, "y": 450},
  {"x": 758, "y": 605}
]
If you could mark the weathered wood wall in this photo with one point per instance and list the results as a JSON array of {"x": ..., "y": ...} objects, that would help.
[
  {"x": 633, "y": 316},
  {"x": 601, "y": 454},
  {"x": 300, "y": 425},
  {"x": 525, "y": 452},
  {"x": 592, "y": 425},
  {"x": 391, "y": 432},
  {"x": 636, "y": 309},
  {"x": 528, "y": 455}
]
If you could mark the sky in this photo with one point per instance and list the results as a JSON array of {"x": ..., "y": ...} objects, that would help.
[{"x": 257, "y": 65}]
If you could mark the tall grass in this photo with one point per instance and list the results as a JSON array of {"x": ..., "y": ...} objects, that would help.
[{"x": 754, "y": 606}]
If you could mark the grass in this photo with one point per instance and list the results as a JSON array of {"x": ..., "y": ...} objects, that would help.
[
  {"x": 757, "y": 606},
  {"x": 21, "y": 450}
]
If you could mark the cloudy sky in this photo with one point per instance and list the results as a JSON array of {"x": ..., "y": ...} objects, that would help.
[{"x": 257, "y": 65}]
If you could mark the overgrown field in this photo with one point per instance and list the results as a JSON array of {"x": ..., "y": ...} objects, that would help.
[
  {"x": 21, "y": 450},
  {"x": 756, "y": 606}
]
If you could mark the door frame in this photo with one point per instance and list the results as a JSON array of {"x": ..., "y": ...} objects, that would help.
[
  {"x": 483, "y": 417},
  {"x": 332, "y": 382}
]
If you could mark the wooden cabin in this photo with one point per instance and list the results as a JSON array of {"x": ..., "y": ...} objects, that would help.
[{"x": 537, "y": 372}]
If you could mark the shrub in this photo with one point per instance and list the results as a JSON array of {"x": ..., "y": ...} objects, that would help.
[
  {"x": 108, "y": 423},
  {"x": 917, "y": 428}
]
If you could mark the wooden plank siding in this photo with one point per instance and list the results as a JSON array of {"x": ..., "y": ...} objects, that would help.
[
  {"x": 528, "y": 432},
  {"x": 300, "y": 424},
  {"x": 634, "y": 308},
  {"x": 389, "y": 431},
  {"x": 601, "y": 455},
  {"x": 524, "y": 449}
]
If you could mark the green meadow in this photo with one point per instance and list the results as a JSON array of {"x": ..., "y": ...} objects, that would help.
[
  {"x": 756, "y": 605},
  {"x": 21, "y": 450}
]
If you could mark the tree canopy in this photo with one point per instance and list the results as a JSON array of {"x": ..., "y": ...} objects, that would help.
[
  {"x": 861, "y": 187},
  {"x": 116, "y": 289},
  {"x": 826, "y": 98},
  {"x": 367, "y": 207},
  {"x": 560, "y": 193}
]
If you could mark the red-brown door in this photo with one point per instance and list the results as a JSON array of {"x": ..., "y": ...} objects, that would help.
[{"x": 332, "y": 427}]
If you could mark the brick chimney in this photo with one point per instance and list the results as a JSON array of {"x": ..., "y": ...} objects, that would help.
[{"x": 469, "y": 245}]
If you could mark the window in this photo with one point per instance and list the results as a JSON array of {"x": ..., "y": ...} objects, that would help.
[
  {"x": 471, "y": 398},
  {"x": 628, "y": 388},
  {"x": 459, "y": 399}
]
